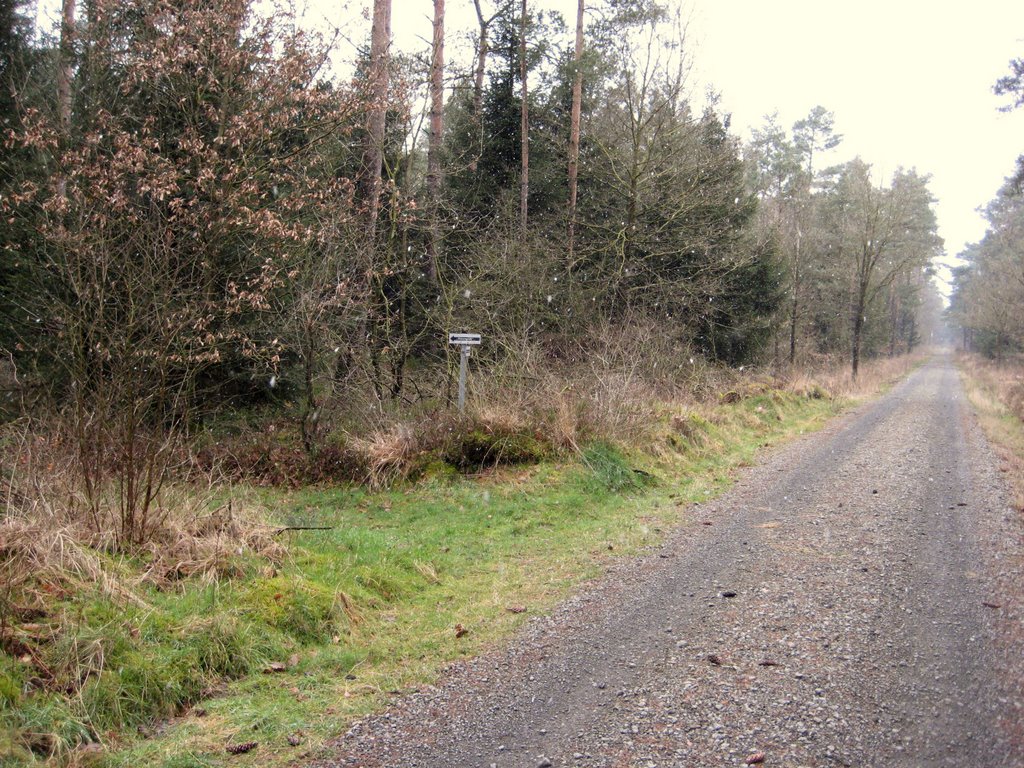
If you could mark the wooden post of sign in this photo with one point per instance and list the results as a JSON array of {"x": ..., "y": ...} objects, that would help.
[
  {"x": 464, "y": 341},
  {"x": 463, "y": 365}
]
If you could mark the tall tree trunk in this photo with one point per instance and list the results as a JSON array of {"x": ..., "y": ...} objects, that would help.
[
  {"x": 478, "y": 85},
  {"x": 370, "y": 187},
  {"x": 574, "y": 127},
  {"x": 434, "y": 147},
  {"x": 310, "y": 415},
  {"x": 894, "y": 318},
  {"x": 794, "y": 310},
  {"x": 858, "y": 328},
  {"x": 524, "y": 127},
  {"x": 373, "y": 151},
  {"x": 66, "y": 65}
]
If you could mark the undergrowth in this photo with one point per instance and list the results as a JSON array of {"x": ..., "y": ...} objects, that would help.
[
  {"x": 351, "y": 593},
  {"x": 997, "y": 394}
]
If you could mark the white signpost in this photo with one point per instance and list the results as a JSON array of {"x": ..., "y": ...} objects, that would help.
[{"x": 464, "y": 341}]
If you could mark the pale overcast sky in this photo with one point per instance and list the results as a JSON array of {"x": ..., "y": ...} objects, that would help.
[{"x": 909, "y": 81}]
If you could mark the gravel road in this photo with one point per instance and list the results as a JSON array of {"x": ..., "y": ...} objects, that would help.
[{"x": 855, "y": 601}]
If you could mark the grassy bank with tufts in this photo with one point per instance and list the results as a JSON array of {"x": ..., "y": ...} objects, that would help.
[
  {"x": 997, "y": 394},
  {"x": 316, "y": 605}
]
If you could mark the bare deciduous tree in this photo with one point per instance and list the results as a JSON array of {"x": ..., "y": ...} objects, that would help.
[
  {"x": 574, "y": 126},
  {"x": 65, "y": 69},
  {"x": 436, "y": 139},
  {"x": 373, "y": 151},
  {"x": 524, "y": 130},
  {"x": 880, "y": 233},
  {"x": 482, "y": 49}
]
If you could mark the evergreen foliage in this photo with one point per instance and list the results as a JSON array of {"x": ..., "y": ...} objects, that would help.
[{"x": 194, "y": 229}]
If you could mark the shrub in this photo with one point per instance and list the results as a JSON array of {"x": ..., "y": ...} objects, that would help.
[
  {"x": 482, "y": 447},
  {"x": 275, "y": 457}
]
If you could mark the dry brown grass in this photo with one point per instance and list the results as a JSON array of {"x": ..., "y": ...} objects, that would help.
[
  {"x": 388, "y": 453},
  {"x": 198, "y": 539},
  {"x": 621, "y": 387},
  {"x": 48, "y": 537},
  {"x": 608, "y": 386},
  {"x": 1003, "y": 382},
  {"x": 997, "y": 394},
  {"x": 833, "y": 379}
]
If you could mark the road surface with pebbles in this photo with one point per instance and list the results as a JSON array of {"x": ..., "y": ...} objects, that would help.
[{"x": 854, "y": 601}]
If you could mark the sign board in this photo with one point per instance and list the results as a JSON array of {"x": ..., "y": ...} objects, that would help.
[
  {"x": 464, "y": 338},
  {"x": 464, "y": 341}
]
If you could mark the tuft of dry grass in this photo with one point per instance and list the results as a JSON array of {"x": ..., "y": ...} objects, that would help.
[
  {"x": 46, "y": 536},
  {"x": 997, "y": 394},
  {"x": 833, "y": 379},
  {"x": 195, "y": 541},
  {"x": 388, "y": 453}
]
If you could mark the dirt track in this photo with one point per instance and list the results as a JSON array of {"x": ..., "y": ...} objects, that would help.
[{"x": 855, "y": 602}]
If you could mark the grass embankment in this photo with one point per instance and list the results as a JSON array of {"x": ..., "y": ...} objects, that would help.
[
  {"x": 286, "y": 651},
  {"x": 997, "y": 394}
]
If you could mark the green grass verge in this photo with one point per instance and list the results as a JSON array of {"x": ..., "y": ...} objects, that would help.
[{"x": 404, "y": 582}]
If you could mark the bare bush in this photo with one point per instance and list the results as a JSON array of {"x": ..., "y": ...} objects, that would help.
[
  {"x": 51, "y": 532},
  {"x": 389, "y": 453}
]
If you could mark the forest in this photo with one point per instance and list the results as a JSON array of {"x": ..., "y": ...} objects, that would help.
[
  {"x": 988, "y": 286},
  {"x": 233, "y": 249},
  {"x": 199, "y": 217}
]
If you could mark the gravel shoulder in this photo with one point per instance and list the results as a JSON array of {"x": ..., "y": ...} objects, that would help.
[{"x": 855, "y": 600}]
